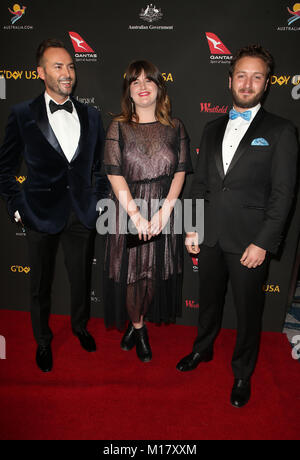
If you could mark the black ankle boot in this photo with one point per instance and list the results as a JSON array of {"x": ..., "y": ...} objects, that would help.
[
  {"x": 143, "y": 349},
  {"x": 128, "y": 340}
]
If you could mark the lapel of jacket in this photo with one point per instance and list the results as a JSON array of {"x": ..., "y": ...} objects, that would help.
[
  {"x": 82, "y": 113},
  {"x": 38, "y": 108},
  {"x": 218, "y": 145},
  {"x": 244, "y": 144}
]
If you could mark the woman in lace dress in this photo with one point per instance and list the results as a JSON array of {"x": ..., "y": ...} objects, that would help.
[{"x": 146, "y": 157}]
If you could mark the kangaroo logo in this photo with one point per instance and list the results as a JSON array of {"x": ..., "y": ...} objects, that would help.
[
  {"x": 216, "y": 46},
  {"x": 79, "y": 45}
]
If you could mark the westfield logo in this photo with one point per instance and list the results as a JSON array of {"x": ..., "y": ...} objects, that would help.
[
  {"x": 208, "y": 108},
  {"x": 189, "y": 303}
]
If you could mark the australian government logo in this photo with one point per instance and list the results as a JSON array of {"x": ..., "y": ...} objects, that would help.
[
  {"x": 17, "y": 12},
  {"x": 151, "y": 15},
  {"x": 293, "y": 20}
]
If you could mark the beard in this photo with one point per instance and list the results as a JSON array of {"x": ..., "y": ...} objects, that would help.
[
  {"x": 239, "y": 102},
  {"x": 56, "y": 86},
  {"x": 62, "y": 90}
]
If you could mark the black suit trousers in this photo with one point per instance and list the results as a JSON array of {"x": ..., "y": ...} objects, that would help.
[
  {"x": 215, "y": 268},
  {"x": 77, "y": 245}
]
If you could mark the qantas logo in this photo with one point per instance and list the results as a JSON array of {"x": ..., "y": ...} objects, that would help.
[
  {"x": 80, "y": 46},
  {"x": 216, "y": 46},
  {"x": 83, "y": 51}
]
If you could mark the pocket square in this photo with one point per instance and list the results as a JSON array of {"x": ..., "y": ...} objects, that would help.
[{"x": 259, "y": 141}]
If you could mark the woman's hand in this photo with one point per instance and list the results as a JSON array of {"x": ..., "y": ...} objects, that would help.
[
  {"x": 159, "y": 221},
  {"x": 192, "y": 243},
  {"x": 142, "y": 225}
]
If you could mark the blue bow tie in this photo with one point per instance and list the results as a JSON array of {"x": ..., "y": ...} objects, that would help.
[{"x": 233, "y": 114}]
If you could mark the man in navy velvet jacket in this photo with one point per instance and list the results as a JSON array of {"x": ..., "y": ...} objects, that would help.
[{"x": 61, "y": 142}]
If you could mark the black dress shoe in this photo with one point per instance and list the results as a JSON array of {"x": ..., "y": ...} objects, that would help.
[
  {"x": 191, "y": 361},
  {"x": 143, "y": 349},
  {"x": 240, "y": 394},
  {"x": 44, "y": 358},
  {"x": 86, "y": 340},
  {"x": 128, "y": 340}
]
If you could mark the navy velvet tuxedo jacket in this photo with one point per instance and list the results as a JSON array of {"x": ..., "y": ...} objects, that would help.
[
  {"x": 251, "y": 202},
  {"x": 53, "y": 186}
]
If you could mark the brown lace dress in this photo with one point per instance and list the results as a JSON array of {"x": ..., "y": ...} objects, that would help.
[{"x": 144, "y": 280}]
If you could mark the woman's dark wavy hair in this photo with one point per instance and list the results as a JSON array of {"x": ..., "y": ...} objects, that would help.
[
  {"x": 253, "y": 51},
  {"x": 163, "y": 106}
]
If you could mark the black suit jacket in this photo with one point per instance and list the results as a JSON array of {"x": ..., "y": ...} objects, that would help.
[
  {"x": 53, "y": 186},
  {"x": 250, "y": 203}
]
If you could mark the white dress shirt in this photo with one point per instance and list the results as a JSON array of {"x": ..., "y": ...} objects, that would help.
[
  {"x": 66, "y": 127},
  {"x": 235, "y": 131}
]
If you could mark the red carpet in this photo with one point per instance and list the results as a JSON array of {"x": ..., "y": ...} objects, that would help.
[{"x": 111, "y": 395}]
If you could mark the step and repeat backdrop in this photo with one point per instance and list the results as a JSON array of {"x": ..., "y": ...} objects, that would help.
[{"x": 192, "y": 43}]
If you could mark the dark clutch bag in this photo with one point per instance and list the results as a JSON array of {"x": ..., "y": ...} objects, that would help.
[{"x": 133, "y": 241}]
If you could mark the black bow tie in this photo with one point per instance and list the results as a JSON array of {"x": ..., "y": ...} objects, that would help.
[{"x": 66, "y": 106}]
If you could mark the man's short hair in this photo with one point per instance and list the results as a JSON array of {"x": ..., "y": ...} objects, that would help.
[
  {"x": 48, "y": 43},
  {"x": 253, "y": 51}
]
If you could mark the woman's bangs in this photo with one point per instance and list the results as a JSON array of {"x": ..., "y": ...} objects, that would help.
[{"x": 138, "y": 67}]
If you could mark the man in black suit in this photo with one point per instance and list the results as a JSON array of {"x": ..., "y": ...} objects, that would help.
[
  {"x": 60, "y": 141},
  {"x": 246, "y": 175}
]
